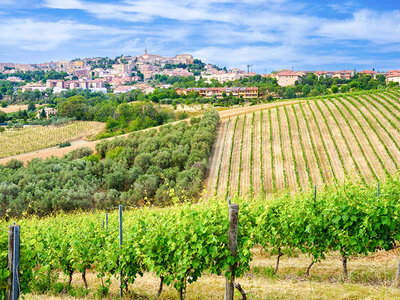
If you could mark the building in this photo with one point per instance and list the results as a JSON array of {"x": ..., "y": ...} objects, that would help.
[
  {"x": 323, "y": 74},
  {"x": 121, "y": 89},
  {"x": 48, "y": 110},
  {"x": 288, "y": 77},
  {"x": 343, "y": 74},
  {"x": 33, "y": 87},
  {"x": 244, "y": 92},
  {"x": 222, "y": 78},
  {"x": 367, "y": 72},
  {"x": 176, "y": 72},
  {"x": 97, "y": 85},
  {"x": 393, "y": 76},
  {"x": 185, "y": 58}
]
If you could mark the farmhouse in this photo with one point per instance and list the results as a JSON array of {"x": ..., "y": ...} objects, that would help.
[{"x": 49, "y": 111}]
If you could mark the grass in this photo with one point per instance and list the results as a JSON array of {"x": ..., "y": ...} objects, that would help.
[{"x": 369, "y": 278}]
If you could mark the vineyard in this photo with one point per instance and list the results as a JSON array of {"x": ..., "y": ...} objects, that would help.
[
  {"x": 30, "y": 138},
  {"x": 183, "y": 243},
  {"x": 298, "y": 144}
]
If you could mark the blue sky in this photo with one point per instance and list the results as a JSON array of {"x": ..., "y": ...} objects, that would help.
[{"x": 270, "y": 34}]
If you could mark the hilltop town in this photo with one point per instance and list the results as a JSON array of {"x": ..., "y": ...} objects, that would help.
[{"x": 146, "y": 72}]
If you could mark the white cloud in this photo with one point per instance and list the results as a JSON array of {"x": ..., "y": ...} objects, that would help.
[
  {"x": 62, "y": 4},
  {"x": 33, "y": 35},
  {"x": 272, "y": 57},
  {"x": 376, "y": 27},
  {"x": 271, "y": 33}
]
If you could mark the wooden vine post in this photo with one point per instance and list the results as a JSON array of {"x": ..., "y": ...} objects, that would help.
[
  {"x": 232, "y": 245},
  {"x": 13, "y": 263}
]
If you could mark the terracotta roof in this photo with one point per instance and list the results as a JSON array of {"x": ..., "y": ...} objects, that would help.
[{"x": 367, "y": 72}]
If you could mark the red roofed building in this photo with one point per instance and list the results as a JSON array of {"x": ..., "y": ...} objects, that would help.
[
  {"x": 323, "y": 74},
  {"x": 244, "y": 92},
  {"x": 343, "y": 74},
  {"x": 394, "y": 76},
  {"x": 288, "y": 77},
  {"x": 367, "y": 72}
]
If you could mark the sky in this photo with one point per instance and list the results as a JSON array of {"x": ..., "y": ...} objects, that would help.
[{"x": 269, "y": 34}]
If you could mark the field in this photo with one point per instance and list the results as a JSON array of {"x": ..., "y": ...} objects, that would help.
[
  {"x": 15, "y": 108},
  {"x": 15, "y": 141},
  {"x": 298, "y": 144}
]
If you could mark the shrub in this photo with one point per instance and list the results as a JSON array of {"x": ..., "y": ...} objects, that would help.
[
  {"x": 14, "y": 164},
  {"x": 65, "y": 144}
]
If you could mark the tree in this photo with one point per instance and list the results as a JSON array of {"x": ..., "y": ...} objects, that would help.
[
  {"x": 306, "y": 90},
  {"x": 3, "y": 117},
  {"x": 31, "y": 107},
  {"x": 74, "y": 107},
  {"x": 43, "y": 114},
  {"x": 334, "y": 88},
  {"x": 344, "y": 88},
  {"x": 289, "y": 93}
]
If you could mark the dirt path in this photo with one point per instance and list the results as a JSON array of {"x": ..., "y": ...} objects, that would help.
[
  {"x": 289, "y": 165},
  {"x": 246, "y": 166},
  {"x": 278, "y": 166},
  {"x": 257, "y": 155},
  {"x": 215, "y": 159},
  {"x": 297, "y": 133},
  {"x": 233, "y": 180},
  {"x": 225, "y": 160},
  {"x": 267, "y": 147}
]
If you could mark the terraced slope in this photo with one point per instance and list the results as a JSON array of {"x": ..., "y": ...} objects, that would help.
[{"x": 299, "y": 144}]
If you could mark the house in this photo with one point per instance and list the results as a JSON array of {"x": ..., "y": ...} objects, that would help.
[
  {"x": 49, "y": 111},
  {"x": 288, "y": 77},
  {"x": 343, "y": 74},
  {"x": 33, "y": 87},
  {"x": 323, "y": 74},
  {"x": 393, "y": 76},
  {"x": 367, "y": 72}
]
